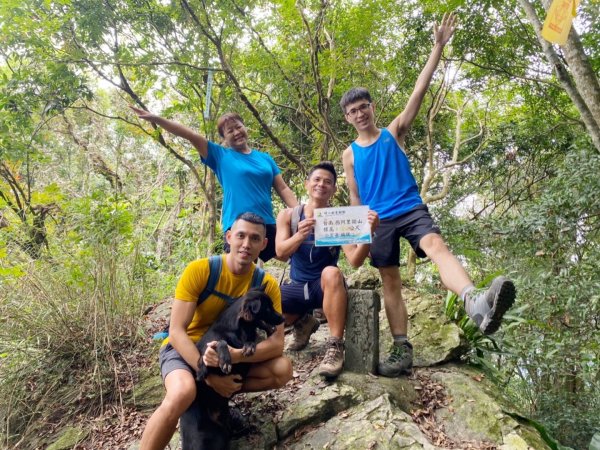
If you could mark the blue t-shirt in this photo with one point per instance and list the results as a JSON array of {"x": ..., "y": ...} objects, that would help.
[
  {"x": 308, "y": 261},
  {"x": 383, "y": 176},
  {"x": 246, "y": 179}
]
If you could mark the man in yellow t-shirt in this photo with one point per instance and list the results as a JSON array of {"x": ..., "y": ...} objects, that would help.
[{"x": 179, "y": 355}]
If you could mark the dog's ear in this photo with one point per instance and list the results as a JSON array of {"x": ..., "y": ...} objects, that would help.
[{"x": 262, "y": 288}]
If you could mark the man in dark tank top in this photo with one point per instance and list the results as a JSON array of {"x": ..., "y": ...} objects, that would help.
[{"x": 316, "y": 280}]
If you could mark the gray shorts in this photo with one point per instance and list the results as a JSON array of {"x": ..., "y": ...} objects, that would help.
[{"x": 169, "y": 360}]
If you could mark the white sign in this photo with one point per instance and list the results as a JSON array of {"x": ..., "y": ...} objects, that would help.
[{"x": 340, "y": 226}]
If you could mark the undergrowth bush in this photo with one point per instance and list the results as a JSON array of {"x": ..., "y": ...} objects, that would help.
[
  {"x": 65, "y": 338},
  {"x": 71, "y": 323}
]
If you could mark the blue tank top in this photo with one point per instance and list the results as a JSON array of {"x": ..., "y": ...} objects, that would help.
[
  {"x": 308, "y": 261},
  {"x": 246, "y": 179},
  {"x": 383, "y": 176}
]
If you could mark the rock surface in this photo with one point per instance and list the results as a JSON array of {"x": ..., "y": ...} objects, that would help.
[{"x": 444, "y": 404}]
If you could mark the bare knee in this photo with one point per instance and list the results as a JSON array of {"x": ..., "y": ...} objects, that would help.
[
  {"x": 433, "y": 245},
  {"x": 181, "y": 392},
  {"x": 390, "y": 275},
  {"x": 282, "y": 372},
  {"x": 331, "y": 278}
]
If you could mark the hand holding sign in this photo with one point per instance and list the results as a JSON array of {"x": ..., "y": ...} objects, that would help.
[{"x": 341, "y": 226}]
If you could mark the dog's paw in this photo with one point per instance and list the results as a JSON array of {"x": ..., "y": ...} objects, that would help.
[
  {"x": 225, "y": 367},
  {"x": 249, "y": 349}
]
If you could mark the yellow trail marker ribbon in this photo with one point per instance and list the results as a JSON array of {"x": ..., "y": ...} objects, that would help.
[{"x": 558, "y": 21}]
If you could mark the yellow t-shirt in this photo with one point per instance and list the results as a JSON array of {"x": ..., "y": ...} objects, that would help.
[{"x": 193, "y": 281}]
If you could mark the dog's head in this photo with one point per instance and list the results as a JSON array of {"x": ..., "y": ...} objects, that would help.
[{"x": 257, "y": 307}]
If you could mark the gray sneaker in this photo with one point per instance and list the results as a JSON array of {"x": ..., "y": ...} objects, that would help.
[
  {"x": 399, "y": 361},
  {"x": 487, "y": 306},
  {"x": 333, "y": 361},
  {"x": 303, "y": 328}
]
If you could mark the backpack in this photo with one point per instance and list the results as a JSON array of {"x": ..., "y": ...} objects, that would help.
[
  {"x": 215, "y": 264},
  {"x": 214, "y": 270}
]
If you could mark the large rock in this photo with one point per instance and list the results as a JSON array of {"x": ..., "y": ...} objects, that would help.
[
  {"x": 366, "y": 277},
  {"x": 374, "y": 424},
  {"x": 361, "y": 411},
  {"x": 316, "y": 402},
  {"x": 148, "y": 392},
  {"x": 474, "y": 414},
  {"x": 434, "y": 337}
]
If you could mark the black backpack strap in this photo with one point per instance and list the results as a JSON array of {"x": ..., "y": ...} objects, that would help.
[{"x": 215, "y": 265}]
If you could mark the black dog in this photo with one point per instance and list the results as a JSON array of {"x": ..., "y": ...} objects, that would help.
[{"x": 207, "y": 423}]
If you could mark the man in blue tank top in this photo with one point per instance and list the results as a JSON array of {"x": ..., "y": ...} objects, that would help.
[
  {"x": 316, "y": 280},
  {"x": 378, "y": 174}
]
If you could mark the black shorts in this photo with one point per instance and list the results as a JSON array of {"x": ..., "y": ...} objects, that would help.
[
  {"x": 412, "y": 226},
  {"x": 300, "y": 298},
  {"x": 269, "y": 251}
]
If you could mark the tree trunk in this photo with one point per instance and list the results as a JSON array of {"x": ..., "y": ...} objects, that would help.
[
  {"x": 584, "y": 83},
  {"x": 581, "y": 70}
]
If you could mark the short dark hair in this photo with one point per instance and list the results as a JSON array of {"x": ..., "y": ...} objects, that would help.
[
  {"x": 354, "y": 95},
  {"x": 227, "y": 117},
  {"x": 325, "y": 165},
  {"x": 252, "y": 218}
]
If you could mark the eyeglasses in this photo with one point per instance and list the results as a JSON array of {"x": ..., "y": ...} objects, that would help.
[{"x": 354, "y": 111}]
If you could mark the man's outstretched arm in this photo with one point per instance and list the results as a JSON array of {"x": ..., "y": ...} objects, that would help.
[{"x": 401, "y": 124}]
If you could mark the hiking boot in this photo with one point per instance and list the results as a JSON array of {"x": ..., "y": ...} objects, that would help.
[
  {"x": 319, "y": 314},
  {"x": 487, "y": 306},
  {"x": 333, "y": 361},
  {"x": 238, "y": 423},
  {"x": 303, "y": 328},
  {"x": 398, "y": 362}
]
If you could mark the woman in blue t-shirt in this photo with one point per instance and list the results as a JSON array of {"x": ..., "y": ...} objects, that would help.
[{"x": 246, "y": 175}]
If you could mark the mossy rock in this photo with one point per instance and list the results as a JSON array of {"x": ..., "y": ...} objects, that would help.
[
  {"x": 69, "y": 438},
  {"x": 148, "y": 392}
]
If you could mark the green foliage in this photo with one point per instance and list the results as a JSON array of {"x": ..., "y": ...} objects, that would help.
[
  {"x": 68, "y": 331},
  {"x": 549, "y": 242},
  {"x": 525, "y": 202}
]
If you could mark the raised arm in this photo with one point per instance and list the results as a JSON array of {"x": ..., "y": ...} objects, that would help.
[
  {"x": 284, "y": 191},
  {"x": 196, "y": 139},
  {"x": 286, "y": 244},
  {"x": 357, "y": 253},
  {"x": 401, "y": 124},
  {"x": 348, "y": 161}
]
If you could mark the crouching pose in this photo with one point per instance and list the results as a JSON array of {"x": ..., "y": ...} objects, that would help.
[
  {"x": 316, "y": 280},
  {"x": 179, "y": 357}
]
